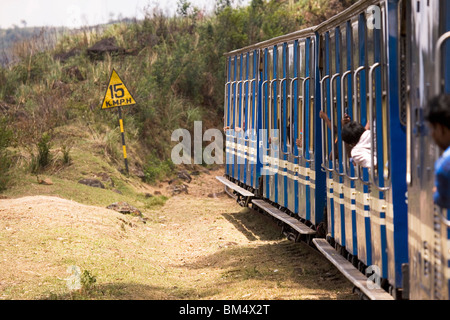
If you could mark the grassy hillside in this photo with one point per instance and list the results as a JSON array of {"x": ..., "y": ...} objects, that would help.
[{"x": 50, "y": 118}]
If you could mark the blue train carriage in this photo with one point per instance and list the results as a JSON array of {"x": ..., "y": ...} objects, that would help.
[
  {"x": 366, "y": 210},
  {"x": 292, "y": 182},
  {"x": 241, "y": 123},
  {"x": 429, "y": 75},
  {"x": 288, "y": 108}
]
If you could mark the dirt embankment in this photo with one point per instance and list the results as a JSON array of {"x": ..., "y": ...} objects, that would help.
[{"x": 199, "y": 245}]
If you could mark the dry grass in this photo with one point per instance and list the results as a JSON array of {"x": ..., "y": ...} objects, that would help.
[{"x": 194, "y": 247}]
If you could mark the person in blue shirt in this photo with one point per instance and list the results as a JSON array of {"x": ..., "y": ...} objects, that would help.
[{"x": 438, "y": 115}]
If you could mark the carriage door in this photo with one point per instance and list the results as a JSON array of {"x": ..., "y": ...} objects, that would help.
[{"x": 428, "y": 224}]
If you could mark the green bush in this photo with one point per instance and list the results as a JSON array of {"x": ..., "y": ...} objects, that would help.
[
  {"x": 5, "y": 161},
  {"x": 88, "y": 280},
  {"x": 43, "y": 158},
  {"x": 157, "y": 169}
]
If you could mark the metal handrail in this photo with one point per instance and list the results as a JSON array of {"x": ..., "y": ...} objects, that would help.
[
  {"x": 236, "y": 118},
  {"x": 333, "y": 133},
  {"x": 344, "y": 153},
  {"x": 281, "y": 120},
  {"x": 225, "y": 119},
  {"x": 355, "y": 91},
  {"x": 355, "y": 113},
  {"x": 303, "y": 119},
  {"x": 250, "y": 103},
  {"x": 239, "y": 95},
  {"x": 264, "y": 103},
  {"x": 438, "y": 61},
  {"x": 291, "y": 115},
  {"x": 244, "y": 95},
  {"x": 372, "y": 136},
  {"x": 324, "y": 156},
  {"x": 232, "y": 83},
  {"x": 270, "y": 109},
  {"x": 438, "y": 86}
]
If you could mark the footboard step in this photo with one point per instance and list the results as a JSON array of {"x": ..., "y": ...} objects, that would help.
[
  {"x": 350, "y": 272},
  {"x": 235, "y": 187},
  {"x": 280, "y": 215}
]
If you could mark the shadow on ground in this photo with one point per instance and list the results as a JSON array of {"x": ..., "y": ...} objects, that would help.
[{"x": 254, "y": 225}]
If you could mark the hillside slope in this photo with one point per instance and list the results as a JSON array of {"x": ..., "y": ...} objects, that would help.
[{"x": 200, "y": 245}]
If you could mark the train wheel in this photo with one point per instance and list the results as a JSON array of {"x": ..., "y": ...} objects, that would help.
[{"x": 355, "y": 261}]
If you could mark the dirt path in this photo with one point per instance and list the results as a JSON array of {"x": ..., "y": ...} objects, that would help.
[{"x": 194, "y": 247}]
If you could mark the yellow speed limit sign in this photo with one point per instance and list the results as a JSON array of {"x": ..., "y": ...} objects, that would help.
[{"x": 117, "y": 94}]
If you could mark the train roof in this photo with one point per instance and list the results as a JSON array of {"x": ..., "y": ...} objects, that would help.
[
  {"x": 304, "y": 33},
  {"x": 342, "y": 17},
  {"x": 335, "y": 21}
]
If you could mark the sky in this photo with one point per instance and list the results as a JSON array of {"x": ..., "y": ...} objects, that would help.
[{"x": 78, "y": 13}]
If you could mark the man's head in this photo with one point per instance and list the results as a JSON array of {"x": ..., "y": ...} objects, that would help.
[
  {"x": 352, "y": 132},
  {"x": 438, "y": 115}
]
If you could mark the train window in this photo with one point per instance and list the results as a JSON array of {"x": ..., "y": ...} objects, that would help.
[
  {"x": 343, "y": 46},
  {"x": 250, "y": 91},
  {"x": 233, "y": 91},
  {"x": 370, "y": 56},
  {"x": 270, "y": 90},
  {"x": 256, "y": 69},
  {"x": 346, "y": 81},
  {"x": 264, "y": 92},
  {"x": 245, "y": 92},
  {"x": 370, "y": 50},
  {"x": 333, "y": 85},
  {"x": 300, "y": 102},
  {"x": 237, "y": 106},
  {"x": 370, "y": 46},
  {"x": 289, "y": 93},
  {"x": 242, "y": 111},
  {"x": 329, "y": 87},
  {"x": 332, "y": 52},
  {"x": 380, "y": 115},
  {"x": 324, "y": 95},
  {"x": 226, "y": 120},
  {"x": 290, "y": 61},
  {"x": 311, "y": 95},
  {"x": 345, "y": 66},
  {"x": 279, "y": 90},
  {"x": 385, "y": 111},
  {"x": 355, "y": 62}
]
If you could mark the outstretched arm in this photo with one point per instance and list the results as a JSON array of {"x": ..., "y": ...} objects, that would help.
[
  {"x": 346, "y": 119},
  {"x": 325, "y": 118}
]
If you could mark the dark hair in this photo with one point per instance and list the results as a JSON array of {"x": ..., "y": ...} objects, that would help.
[
  {"x": 352, "y": 132},
  {"x": 438, "y": 110}
]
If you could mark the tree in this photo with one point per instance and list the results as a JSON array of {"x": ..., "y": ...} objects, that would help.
[{"x": 183, "y": 7}]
